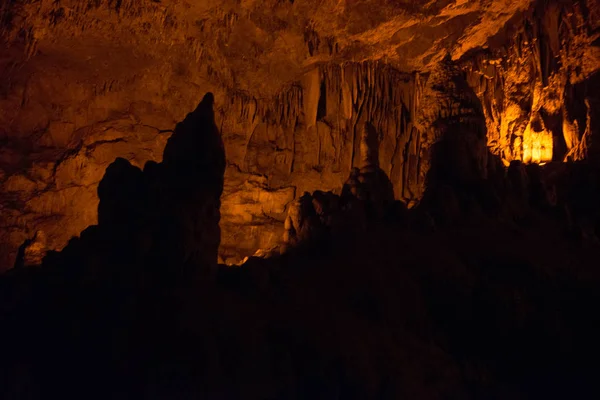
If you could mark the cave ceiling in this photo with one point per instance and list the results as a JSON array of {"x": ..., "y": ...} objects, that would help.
[{"x": 257, "y": 46}]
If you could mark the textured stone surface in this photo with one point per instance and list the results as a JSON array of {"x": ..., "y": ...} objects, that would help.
[
  {"x": 537, "y": 83},
  {"x": 57, "y": 193},
  {"x": 294, "y": 83}
]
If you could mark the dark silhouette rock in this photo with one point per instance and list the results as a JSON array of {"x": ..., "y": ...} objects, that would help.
[
  {"x": 303, "y": 223},
  {"x": 165, "y": 218},
  {"x": 187, "y": 197},
  {"x": 376, "y": 189},
  {"x": 366, "y": 197},
  {"x": 352, "y": 186},
  {"x": 518, "y": 179},
  {"x": 32, "y": 251},
  {"x": 123, "y": 197}
]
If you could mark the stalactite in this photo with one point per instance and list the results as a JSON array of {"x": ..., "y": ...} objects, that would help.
[
  {"x": 526, "y": 91},
  {"x": 355, "y": 93}
]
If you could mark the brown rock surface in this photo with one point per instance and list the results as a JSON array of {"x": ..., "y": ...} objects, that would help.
[
  {"x": 57, "y": 192},
  {"x": 294, "y": 82},
  {"x": 537, "y": 81}
]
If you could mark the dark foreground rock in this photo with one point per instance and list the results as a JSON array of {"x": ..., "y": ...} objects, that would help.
[
  {"x": 487, "y": 289},
  {"x": 489, "y": 311}
]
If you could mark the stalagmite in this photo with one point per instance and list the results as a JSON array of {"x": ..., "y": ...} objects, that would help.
[{"x": 294, "y": 86}]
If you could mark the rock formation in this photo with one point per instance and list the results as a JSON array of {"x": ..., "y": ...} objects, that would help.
[
  {"x": 367, "y": 196},
  {"x": 535, "y": 82},
  {"x": 32, "y": 252},
  {"x": 376, "y": 190},
  {"x": 487, "y": 288},
  {"x": 165, "y": 217},
  {"x": 57, "y": 192},
  {"x": 294, "y": 84},
  {"x": 428, "y": 169},
  {"x": 494, "y": 306},
  {"x": 189, "y": 190}
]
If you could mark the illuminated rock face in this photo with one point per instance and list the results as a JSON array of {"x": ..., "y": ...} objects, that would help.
[
  {"x": 57, "y": 193},
  {"x": 294, "y": 84},
  {"x": 536, "y": 82}
]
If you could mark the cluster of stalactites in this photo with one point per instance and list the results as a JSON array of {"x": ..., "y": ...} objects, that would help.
[
  {"x": 340, "y": 99},
  {"x": 284, "y": 109},
  {"x": 525, "y": 85},
  {"x": 348, "y": 89}
]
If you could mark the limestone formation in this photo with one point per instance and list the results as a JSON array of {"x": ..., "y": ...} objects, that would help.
[
  {"x": 369, "y": 146},
  {"x": 163, "y": 220},
  {"x": 294, "y": 83},
  {"x": 191, "y": 187},
  {"x": 533, "y": 81},
  {"x": 32, "y": 251},
  {"x": 122, "y": 195},
  {"x": 303, "y": 222},
  {"x": 323, "y": 119},
  {"x": 59, "y": 196},
  {"x": 376, "y": 189},
  {"x": 367, "y": 198},
  {"x": 352, "y": 186}
]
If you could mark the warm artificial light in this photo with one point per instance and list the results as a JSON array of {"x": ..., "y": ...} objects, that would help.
[{"x": 537, "y": 146}]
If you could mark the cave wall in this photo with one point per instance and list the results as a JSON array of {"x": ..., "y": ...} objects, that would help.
[
  {"x": 304, "y": 139},
  {"x": 56, "y": 193},
  {"x": 86, "y": 82},
  {"x": 307, "y": 138},
  {"x": 537, "y": 80}
]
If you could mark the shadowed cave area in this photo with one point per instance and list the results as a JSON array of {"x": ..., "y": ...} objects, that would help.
[
  {"x": 330, "y": 199},
  {"x": 487, "y": 289}
]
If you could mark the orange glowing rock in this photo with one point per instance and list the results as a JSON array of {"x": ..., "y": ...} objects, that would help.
[{"x": 537, "y": 146}]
